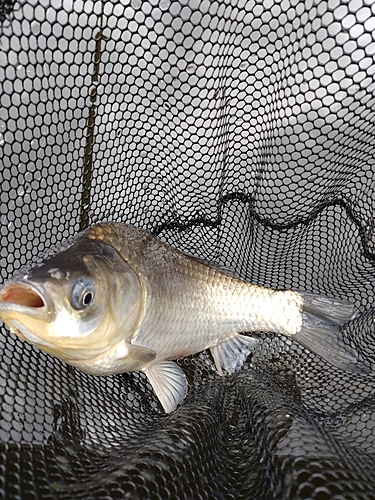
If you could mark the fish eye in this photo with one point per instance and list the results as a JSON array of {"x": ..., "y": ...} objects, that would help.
[{"x": 83, "y": 294}]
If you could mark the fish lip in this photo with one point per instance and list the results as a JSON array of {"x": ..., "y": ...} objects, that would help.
[{"x": 43, "y": 312}]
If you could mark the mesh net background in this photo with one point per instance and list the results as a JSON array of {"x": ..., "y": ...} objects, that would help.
[{"x": 241, "y": 132}]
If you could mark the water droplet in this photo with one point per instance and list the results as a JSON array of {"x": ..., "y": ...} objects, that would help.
[
  {"x": 346, "y": 421},
  {"x": 190, "y": 68},
  {"x": 2, "y": 140},
  {"x": 35, "y": 27},
  {"x": 244, "y": 65},
  {"x": 352, "y": 89},
  {"x": 56, "y": 273},
  {"x": 164, "y": 4}
]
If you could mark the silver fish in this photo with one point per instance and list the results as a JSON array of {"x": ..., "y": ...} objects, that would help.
[{"x": 119, "y": 300}]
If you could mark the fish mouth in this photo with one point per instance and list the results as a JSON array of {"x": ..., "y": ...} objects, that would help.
[{"x": 24, "y": 298}]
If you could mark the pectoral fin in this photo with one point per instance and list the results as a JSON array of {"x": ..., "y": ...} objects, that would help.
[
  {"x": 169, "y": 383},
  {"x": 232, "y": 353},
  {"x": 137, "y": 357}
]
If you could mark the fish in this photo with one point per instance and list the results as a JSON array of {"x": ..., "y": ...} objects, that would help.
[{"x": 117, "y": 299}]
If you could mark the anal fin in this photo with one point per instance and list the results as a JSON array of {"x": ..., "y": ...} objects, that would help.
[
  {"x": 232, "y": 353},
  {"x": 169, "y": 383}
]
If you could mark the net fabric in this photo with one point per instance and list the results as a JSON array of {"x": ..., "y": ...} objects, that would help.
[{"x": 241, "y": 132}]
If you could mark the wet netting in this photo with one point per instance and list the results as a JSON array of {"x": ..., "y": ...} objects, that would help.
[{"x": 238, "y": 131}]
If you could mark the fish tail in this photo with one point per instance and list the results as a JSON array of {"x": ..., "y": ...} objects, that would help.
[
  {"x": 337, "y": 311},
  {"x": 322, "y": 319}
]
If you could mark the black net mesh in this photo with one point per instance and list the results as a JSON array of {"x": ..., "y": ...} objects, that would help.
[{"x": 240, "y": 131}]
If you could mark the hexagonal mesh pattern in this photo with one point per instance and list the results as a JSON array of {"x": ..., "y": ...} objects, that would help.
[{"x": 241, "y": 131}]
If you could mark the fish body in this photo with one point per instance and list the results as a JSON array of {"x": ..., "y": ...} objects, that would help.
[{"x": 118, "y": 299}]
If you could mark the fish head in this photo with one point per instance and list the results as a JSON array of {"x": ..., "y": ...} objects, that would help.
[{"x": 77, "y": 305}]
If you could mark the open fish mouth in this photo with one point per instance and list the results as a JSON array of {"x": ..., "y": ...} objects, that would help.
[
  {"x": 24, "y": 299},
  {"x": 21, "y": 295}
]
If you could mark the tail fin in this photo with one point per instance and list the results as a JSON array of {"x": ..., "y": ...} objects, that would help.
[
  {"x": 335, "y": 310},
  {"x": 322, "y": 318}
]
